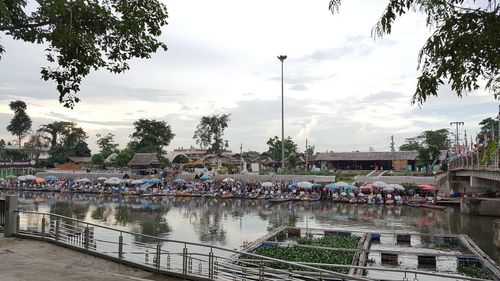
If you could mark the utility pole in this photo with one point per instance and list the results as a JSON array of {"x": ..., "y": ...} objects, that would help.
[
  {"x": 457, "y": 136},
  {"x": 282, "y": 58},
  {"x": 307, "y": 154},
  {"x": 392, "y": 144}
]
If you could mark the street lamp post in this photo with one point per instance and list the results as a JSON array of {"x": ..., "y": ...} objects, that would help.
[{"x": 282, "y": 58}]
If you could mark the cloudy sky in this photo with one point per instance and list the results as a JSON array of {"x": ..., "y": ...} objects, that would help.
[{"x": 344, "y": 91}]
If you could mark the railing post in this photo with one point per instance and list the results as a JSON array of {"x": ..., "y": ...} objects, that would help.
[
  {"x": 184, "y": 259},
  {"x": 211, "y": 264},
  {"x": 58, "y": 222},
  {"x": 11, "y": 225},
  {"x": 43, "y": 226},
  {"x": 158, "y": 255},
  {"x": 120, "y": 246},
  {"x": 18, "y": 222},
  {"x": 86, "y": 237}
]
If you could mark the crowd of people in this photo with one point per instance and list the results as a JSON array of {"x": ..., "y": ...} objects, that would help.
[{"x": 376, "y": 193}]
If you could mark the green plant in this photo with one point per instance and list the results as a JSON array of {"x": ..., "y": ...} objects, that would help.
[{"x": 473, "y": 270}]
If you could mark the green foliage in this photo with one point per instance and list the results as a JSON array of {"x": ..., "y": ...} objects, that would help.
[
  {"x": 332, "y": 241},
  {"x": 473, "y": 270},
  {"x": 490, "y": 153},
  {"x": 124, "y": 157},
  {"x": 274, "y": 149},
  {"x": 14, "y": 155},
  {"x": 20, "y": 124},
  {"x": 85, "y": 35},
  {"x": 310, "y": 150},
  {"x": 463, "y": 49},
  {"x": 107, "y": 145},
  {"x": 210, "y": 131},
  {"x": 487, "y": 126},
  {"x": 151, "y": 136},
  {"x": 67, "y": 139},
  {"x": 98, "y": 159},
  {"x": 429, "y": 145}
]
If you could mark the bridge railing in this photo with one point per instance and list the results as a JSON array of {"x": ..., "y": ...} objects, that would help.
[
  {"x": 186, "y": 260},
  {"x": 472, "y": 161}
]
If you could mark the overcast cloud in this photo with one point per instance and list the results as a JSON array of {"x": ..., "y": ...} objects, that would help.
[{"x": 344, "y": 91}]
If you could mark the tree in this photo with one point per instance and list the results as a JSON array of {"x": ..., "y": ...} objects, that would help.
[
  {"x": 489, "y": 127},
  {"x": 274, "y": 149},
  {"x": 412, "y": 144},
  {"x": 85, "y": 35},
  {"x": 124, "y": 156},
  {"x": 151, "y": 136},
  {"x": 107, "y": 145},
  {"x": 98, "y": 159},
  {"x": 463, "y": 49},
  {"x": 210, "y": 131},
  {"x": 429, "y": 145},
  {"x": 54, "y": 130},
  {"x": 20, "y": 124},
  {"x": 35, "y": 146},
  {"x": 66, "y": 139},
  {"x": 2, "y": 143}
]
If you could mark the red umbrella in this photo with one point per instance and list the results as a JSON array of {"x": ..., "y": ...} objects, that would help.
[
  {"x": 367, "y": 187},
  {"x": 426, "y": 187}
]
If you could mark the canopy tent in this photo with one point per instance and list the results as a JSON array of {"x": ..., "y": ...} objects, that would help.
[
  {"x": 113, "y": 181},
  {"x": 379, "y": 184}
]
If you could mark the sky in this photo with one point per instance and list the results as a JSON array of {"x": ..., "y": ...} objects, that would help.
[{"x": 344, "y": 91}]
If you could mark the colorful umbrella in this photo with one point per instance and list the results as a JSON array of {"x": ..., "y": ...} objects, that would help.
[
  {"x": 51, "y": 178},
  {"x": 179, "y": 181},
  {"x": 426, "y": 187},
  {"x": 228, "y": 180},
  {"x": 379, "y": 184},
  {"x": 305, "y": 184}
]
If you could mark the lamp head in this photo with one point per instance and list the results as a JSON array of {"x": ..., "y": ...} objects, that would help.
[{"x": 282, "y": 57}]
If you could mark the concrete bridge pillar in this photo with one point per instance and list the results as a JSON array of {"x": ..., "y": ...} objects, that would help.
[{"x": 496, "y": 235}]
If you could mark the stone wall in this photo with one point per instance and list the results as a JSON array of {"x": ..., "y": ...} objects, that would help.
[
  {"x": 397, "y": 179},
  {"x": 480, "y": 206}
]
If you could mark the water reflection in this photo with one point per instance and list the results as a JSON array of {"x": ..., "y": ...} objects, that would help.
[{"x": 231, "y": 222}]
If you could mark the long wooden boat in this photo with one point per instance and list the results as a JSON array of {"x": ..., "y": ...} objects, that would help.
[
  {"x": 279, "y": 200},
  {"x": 436, "y": 207},
  {"x": 414, "y": 205}
]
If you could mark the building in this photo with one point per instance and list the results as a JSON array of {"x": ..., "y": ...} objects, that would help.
[
  {"x": 145, "y": 163},
  {"x": 74, "y": 163},
  {"x": 182, "y": 155},
  {"x": 397, "y": 160}
]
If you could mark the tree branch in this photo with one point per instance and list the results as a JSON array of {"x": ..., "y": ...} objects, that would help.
[{"x": 22, "y": 26}]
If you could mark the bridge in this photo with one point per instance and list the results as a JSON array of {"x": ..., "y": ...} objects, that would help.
[{"x": 467, "y": 174}]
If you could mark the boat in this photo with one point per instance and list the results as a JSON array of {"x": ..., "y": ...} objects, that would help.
[
  {"x": 429, "y": 206},
  {"x": 414, "y": 205},
  {"x": 279, "y": 200}
]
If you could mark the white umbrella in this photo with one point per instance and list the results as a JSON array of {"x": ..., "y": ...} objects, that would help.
[
  {"x": 137, "y": 182},
  {"x": 228, "y": 180},
  {"x": 102, "y": 178},
  {"x": 84, "y": 180},
  {"x": 267, "y": 184},
  {"x": 397, "y": 187},
  {"x": 305, "y": 184},
  {"x": 30, "y": 177},
  {"x": 379, "y": 184},
  {"x": 388, "y": 189},
  {"x": 340, "y": 184},
  {"x": 21, "y": 178},
  {"x": 113, "y": 181}
]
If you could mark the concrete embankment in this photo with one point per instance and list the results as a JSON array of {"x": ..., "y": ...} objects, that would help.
[
  {"x": 263, "y": 178},
  {"x": 22, "y": 259},
  {"x": 480, "y": 206}
]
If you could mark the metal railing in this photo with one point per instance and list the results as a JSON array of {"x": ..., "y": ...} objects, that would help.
[
  {"x": 3, "y": 213},
  {"x": 188, "y": 260}
]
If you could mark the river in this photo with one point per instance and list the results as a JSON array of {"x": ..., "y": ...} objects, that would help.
[{"x": 231, "y": 222}]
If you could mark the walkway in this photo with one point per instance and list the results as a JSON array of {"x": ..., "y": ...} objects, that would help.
[{"x": 22, "y": 259}]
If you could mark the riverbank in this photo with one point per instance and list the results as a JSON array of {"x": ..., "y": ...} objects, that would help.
[{"x": 23, "y": 259}]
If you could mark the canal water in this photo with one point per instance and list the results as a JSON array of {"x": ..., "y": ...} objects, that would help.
[{"x": 232, "y": 222}]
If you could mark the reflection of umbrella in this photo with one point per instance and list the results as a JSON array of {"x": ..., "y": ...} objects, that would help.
[
  {"x": 426, "y": 187},
  {"x": 179, "y": 181},
  {"x": 267, "y": 184},
  {"x": 51, "y": 178},
  {"x": 305, "y": 184},
  {"x": 379, "y": 184},
  {"x": 228, "y": 180},
  {"x": 205, "y": 177}
]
